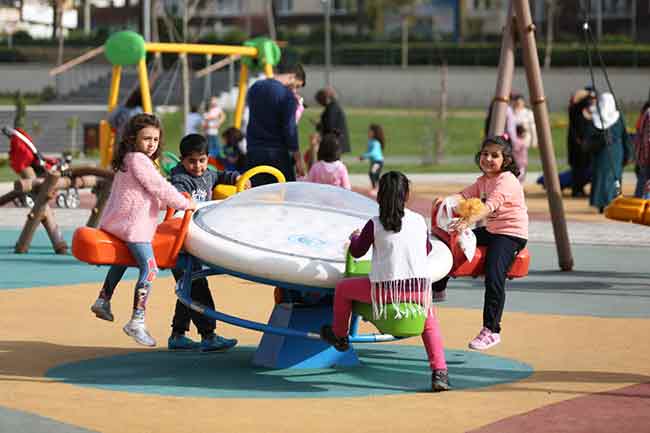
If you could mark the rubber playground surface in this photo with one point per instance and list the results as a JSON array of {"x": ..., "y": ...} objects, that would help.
[{"x": 574, "y": 355}]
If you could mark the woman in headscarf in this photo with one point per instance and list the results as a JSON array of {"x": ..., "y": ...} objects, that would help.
[{"x": 611, "y": 150}]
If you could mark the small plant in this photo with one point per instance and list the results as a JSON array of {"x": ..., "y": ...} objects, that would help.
[{"x": 48, "y": 93}]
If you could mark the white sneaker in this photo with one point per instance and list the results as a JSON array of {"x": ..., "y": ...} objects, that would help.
[
  {"x": 102, "y": 309},
  {"x": 137, "y": 330}
]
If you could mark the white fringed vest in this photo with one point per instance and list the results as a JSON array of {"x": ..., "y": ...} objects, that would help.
[{"x": 400, "y": 271}]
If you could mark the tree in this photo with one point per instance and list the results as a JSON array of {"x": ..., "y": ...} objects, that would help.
[{"x": 551, "y": 10}]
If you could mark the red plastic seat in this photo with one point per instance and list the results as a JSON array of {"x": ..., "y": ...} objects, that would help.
[
  {"x": 475, "y": 268},
  {"x": 97, "y": 247}
]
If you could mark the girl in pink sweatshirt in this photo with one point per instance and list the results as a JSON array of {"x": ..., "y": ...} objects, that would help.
[
  {"x": 137, "y": 195},
  {"x": 329, "y": 168},
  {"x": 505, "y": 232}
]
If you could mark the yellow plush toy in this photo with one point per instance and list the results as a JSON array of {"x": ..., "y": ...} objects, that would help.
[{"x": 469, "y": 207}]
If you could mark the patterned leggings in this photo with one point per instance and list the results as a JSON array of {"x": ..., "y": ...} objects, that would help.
[{"x": 143, "y": 253}]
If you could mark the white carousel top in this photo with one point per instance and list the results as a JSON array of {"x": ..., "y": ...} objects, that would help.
[{"x": 294, "y": 232}]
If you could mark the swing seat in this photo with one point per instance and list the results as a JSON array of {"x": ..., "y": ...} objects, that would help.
[
  {"x": 475, "y": 268},
  {"x": 636, "y": 210},
  {"x": 168, "y": 161},
  {"x": 98, "y": 247},
  {"x": 404, "y": 326}
]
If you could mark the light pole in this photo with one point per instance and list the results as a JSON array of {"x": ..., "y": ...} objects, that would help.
[{"x": 328, "y": 42}]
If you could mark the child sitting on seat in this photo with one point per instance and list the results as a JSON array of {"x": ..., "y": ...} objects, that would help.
[
  {"x": 505, "y": 233},
  {"x": 329, "y": 168},
  {"x": 193, "y": 177},
  {"x": 400, "y": 242},
  {"x": 131, "y": 214}
]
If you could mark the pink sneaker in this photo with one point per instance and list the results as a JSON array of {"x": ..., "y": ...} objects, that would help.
[{"x": 484, "y": 340}]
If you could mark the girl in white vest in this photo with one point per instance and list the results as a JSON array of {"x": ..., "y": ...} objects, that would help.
[{"x": 400, "y": 242}]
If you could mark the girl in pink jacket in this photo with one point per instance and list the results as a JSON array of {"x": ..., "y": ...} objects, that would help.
[
  {"x": 131, "y": 214},
  {"x": 329, "y": 168}
]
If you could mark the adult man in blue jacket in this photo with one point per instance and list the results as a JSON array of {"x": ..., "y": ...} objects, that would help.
[{"x": 272, "y": 133}]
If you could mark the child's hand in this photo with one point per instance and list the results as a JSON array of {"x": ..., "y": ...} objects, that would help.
[
  {"x": 192, "y": 205},
  {"x": 459, "y": 225},
  {"x": 247, "y": 185},
  {"x": 355, "y": 234},
  {"x": 437, "y": 201}
]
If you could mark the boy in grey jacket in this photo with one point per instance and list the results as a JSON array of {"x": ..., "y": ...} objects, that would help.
[{"x": 192, "y": 176}]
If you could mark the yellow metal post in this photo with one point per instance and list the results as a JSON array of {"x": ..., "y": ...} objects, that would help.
[
  {"x": 268, "y": 70},
  {"x": 144, "y": 86},
  {"x": 106, "y": 136},
  {"x": 115, "y": 87},
  {"x": 241, "y": 98}
]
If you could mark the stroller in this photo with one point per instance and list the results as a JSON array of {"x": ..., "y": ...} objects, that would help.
[{"x": 23, "y": 154}]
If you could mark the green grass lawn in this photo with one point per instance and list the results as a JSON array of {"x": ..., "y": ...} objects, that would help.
[{"x": 408, "y": 132}]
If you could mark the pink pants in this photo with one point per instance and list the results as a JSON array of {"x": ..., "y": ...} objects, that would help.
[{"x": 358, "y": 289}]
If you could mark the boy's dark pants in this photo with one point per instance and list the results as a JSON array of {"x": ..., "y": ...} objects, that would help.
[
  {"x": 501, "y": 252},
  {"x": 183, "y": 315}
]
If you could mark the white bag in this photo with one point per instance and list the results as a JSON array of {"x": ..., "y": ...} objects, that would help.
[{"x": 467, "y": 238}]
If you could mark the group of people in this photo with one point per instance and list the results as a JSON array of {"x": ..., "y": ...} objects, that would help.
[
  {"x": 399, "y": 237},
  {"x": 598, "y": 146}
]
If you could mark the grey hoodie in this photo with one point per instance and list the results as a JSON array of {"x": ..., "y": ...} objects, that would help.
[{"x": 200, "y": 187}]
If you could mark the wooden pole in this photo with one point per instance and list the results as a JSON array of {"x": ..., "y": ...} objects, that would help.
[
  {"x": 540, "y": 110},
  {"x": 53, "y": 232},
  {"x": 504, "y": 79},
  {"x": 76, "y": 61},
  {"x": 103, "y": 190},
  {"x": 217, "y": 65},
  {"x": 36, "y": 215}
]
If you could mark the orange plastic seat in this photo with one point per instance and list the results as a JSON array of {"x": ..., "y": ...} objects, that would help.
[
  {"x": 475, "y": 268},
  {"x": 97, "y": 247}
]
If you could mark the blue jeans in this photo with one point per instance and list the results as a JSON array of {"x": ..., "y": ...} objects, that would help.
[
  {"x": 214, "y": 146},
  {"x": 143, "y": 254}
]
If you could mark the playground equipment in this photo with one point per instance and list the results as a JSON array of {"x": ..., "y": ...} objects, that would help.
[
  {"x": 631, "y": 209},
  {"x": 291, "y": 236},
  {"x": 129, "y": 48},
  {"x": 44, "y": 189},
  {"x": 475, "y": 268}
]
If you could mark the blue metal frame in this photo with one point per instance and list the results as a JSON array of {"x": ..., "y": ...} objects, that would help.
[{"x": 184, "y": 294}]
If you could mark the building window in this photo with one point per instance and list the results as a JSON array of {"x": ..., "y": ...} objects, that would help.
[
  {"x": 228, "y": 7},
  {"x": 284, "y": 6}
]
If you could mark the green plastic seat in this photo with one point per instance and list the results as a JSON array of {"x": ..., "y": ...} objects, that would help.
[
  {"x": 404, "y": 326},
  {"x": 168, "y": 161}
]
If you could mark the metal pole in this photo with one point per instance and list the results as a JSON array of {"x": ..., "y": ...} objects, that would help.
[
  {"x": 504, "y": 79},
  {"x": 146, "y": 19},
  {"x": 328, "y": 43},
  {"x": 534, "y": 77},
  {"x": 599, "y": 19},
  {"x": 87, "y": 17}
]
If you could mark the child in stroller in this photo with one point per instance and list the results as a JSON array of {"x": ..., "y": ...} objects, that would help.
[{"x": 27, "y": 162}]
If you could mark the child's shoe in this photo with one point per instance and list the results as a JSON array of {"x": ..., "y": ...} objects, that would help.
[
  {"x": 341, "y": 344},
  {"x": 440, "y": 380},
  {"x": 136, "y": 329},
  {"x": 217, "y": 343},
  {"x": 102, "y": 309},
  {"x": 484, "y": 340},
  {"x": 440, "y": 296},
  {"x": 181, "y": 342}
]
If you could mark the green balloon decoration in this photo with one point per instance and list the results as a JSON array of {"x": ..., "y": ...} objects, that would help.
[
  {"x": 124, "y": 48},
  {"x": 268, "y": 53}
]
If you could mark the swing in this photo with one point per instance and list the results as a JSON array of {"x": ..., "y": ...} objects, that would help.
[
  {"x": 408, "y": 325},
  {"x": 475, "y": 268}
]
